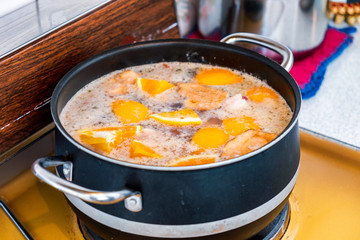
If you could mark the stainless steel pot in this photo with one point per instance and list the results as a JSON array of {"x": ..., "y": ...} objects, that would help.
[
  {"x": 244, "y": 193},
  {"x": 298, "y": 24}
]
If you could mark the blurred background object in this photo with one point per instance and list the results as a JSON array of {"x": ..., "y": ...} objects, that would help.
[
  {"x": 10, "y": 6},
  {"x": 23, "y": 21},
  {"x": 187, "y": 15},
  {"x": 299, "y": 24},
  {"x": 344, "y": 11},
  {"x": 216, "y": 18}
]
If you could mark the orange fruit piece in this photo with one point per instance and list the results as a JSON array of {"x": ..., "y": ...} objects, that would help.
[
  {"x": 210, "y": 138},
  {"x": 237, "y": 125},
  {"x": 217, "y": 76},
  {"x": 192, "y": 160},
  {"x": 129, "y": 111},
  {"x": 106, "y": 139},
  {"x": 138, "y": 149},
  {"x": 153, "y": 87},
  {"x": 181, "y": 117},
  {"x": 259, "y": 94}
]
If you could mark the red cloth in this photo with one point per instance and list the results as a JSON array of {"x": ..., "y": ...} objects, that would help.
[{"x": 303, "y": 69}]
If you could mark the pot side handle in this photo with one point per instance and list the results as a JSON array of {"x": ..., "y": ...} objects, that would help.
[
  {"x": 132, "y": 199},
  {"x": 284, "y": 51}
]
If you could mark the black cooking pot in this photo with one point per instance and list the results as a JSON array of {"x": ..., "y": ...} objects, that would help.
[{"x": 245, "y": 193}]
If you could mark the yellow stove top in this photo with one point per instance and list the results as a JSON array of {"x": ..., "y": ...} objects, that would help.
[{"x": 325, "y": 203}]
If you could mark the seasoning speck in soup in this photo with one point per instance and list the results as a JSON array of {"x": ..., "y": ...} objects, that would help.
[{"x": 175, "y": 114}]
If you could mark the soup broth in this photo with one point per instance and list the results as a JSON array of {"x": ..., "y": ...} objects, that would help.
[{"x": 175, "y": 114}]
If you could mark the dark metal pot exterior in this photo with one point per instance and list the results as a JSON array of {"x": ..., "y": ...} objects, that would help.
[
  {"x": 186, "y": 198},
  {"x": 198, "y": 196},
  {"x": 244, "y": 232},
  {"x": 209, "y": 198}
]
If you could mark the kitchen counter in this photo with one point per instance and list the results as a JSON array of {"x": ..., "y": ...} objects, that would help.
[{"x": 335, "y": 109}]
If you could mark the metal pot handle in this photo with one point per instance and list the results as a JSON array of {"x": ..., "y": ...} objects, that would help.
[
  {"x": 132, "y": 199},
  {"x": 285, "y": 52}
]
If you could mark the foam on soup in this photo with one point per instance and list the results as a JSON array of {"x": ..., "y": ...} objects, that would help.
[{"x": 175, "y": 114}]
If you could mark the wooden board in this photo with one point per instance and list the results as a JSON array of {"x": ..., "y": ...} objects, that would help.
[{"x": 29, "y": 75}]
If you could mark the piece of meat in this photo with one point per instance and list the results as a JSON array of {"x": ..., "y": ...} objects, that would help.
[
  {"x": 268, "y": 136},
  {"x": 235, "y": 104},
  {"x": 200, "y": 97},
  {"x": 246, "y": 142},
  {"x": 120, "y": 82}
]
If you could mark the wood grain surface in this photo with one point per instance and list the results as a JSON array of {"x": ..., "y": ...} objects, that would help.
[{"x": 29, "y": 75}]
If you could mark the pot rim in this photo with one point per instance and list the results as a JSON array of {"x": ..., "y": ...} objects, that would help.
[{"x": 276, "y": 66}]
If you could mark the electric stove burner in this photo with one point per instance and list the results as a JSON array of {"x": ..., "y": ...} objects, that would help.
[
  {"x": 276, "y": 229},
  {"x": 273, "y": 231}
]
